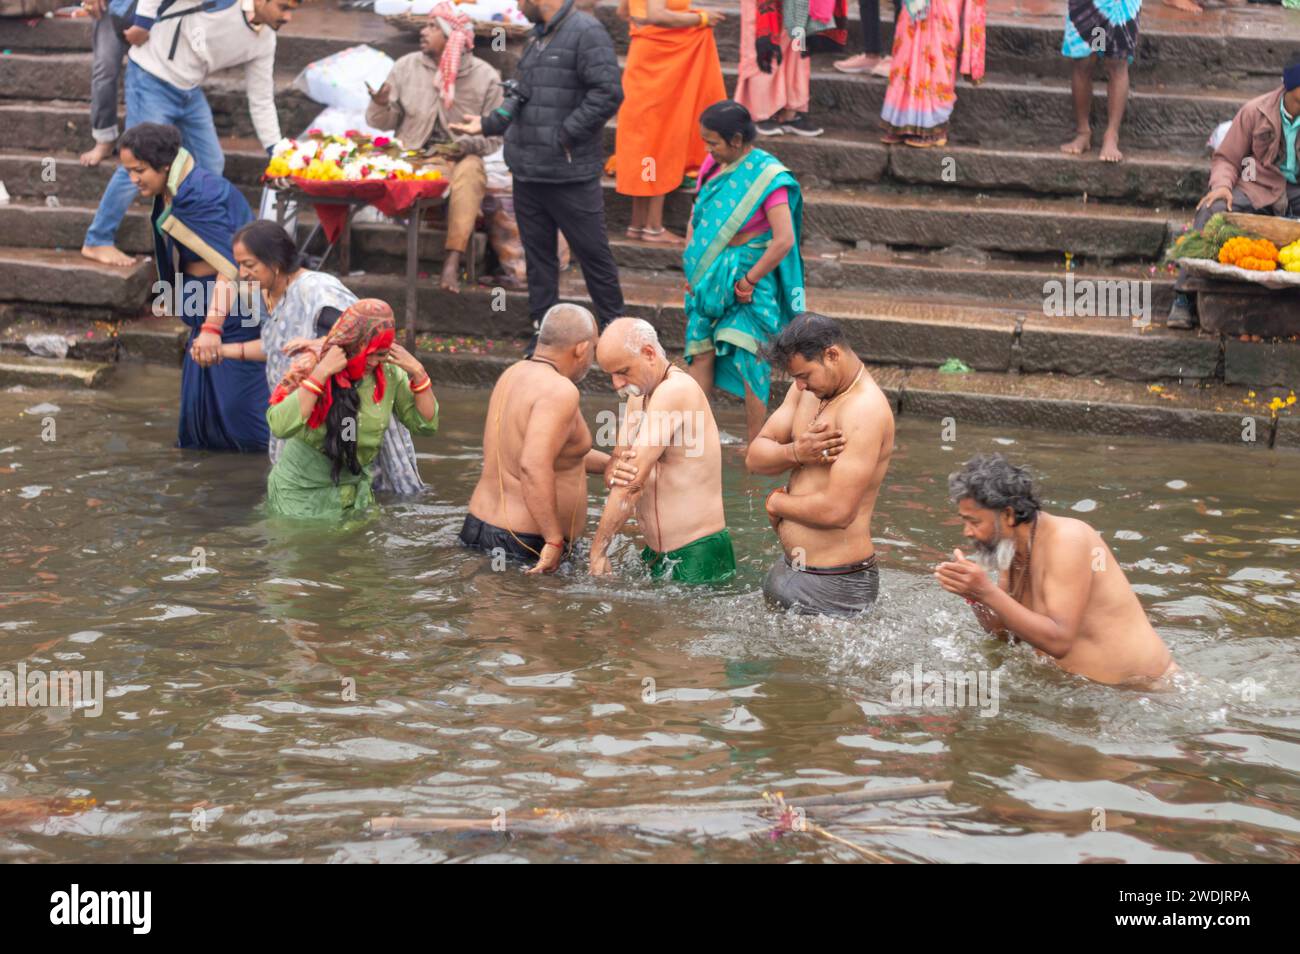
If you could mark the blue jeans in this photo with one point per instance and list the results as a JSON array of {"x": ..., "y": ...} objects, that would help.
[{"x": 151, "y": 100}]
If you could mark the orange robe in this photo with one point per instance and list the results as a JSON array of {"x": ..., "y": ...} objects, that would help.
[{"x": 671, "y": 76}]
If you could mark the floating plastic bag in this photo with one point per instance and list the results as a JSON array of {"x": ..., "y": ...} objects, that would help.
[
  {"x": 340, "y": 80},
  {"x": 47, "y": 346}
]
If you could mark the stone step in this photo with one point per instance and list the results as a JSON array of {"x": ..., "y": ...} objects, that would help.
[
  {"x": 50, "y": 372},
  {"x": 1004, "y": 110},
  {"x": 48, "y": 278},
  {"x": 885, "y": 328},
  {"x": 918, "y": 331},
  {"x": 913, "y": 217},
  {"x": 1218, "y": 413},
  {"x": 857, "y": 158},
  {"x": 40, "y": 158},
  {"x": 934, "y": 218}
]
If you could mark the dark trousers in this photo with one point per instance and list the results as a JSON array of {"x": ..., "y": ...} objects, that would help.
[
  {"x": 869, "y": 14},
  {"x": 1240, "y": 203},
  {"x": 578, "y": 210}
]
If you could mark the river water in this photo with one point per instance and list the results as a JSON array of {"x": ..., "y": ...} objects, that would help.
[{"x": 270, "y": 689}]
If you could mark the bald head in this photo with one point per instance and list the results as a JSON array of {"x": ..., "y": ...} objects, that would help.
[{"x": 565, "y": 325}]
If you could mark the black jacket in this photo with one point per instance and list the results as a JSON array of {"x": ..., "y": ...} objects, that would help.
[{"x": 570, "y": 73}]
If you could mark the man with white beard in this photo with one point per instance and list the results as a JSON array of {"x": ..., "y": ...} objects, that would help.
[
  {"x": 1059, "y": 587},
  {"x": 671, "y": 438}
]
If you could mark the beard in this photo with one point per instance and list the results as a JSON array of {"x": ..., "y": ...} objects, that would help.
[
  {"x": 532, "y": 11},
  {"x": 995, "y": 557},
  {"x": 629, "y": 391}
]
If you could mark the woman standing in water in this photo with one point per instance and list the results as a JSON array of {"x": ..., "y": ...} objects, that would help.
[
  {"x": 332, "y": 412},
  {"x": 298, "y": 308},
  {"x": 744, "y": 274},
  {"x": 194, "y": 219}
]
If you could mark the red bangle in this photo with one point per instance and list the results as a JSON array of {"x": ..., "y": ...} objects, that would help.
[
  {"x": 313, "y": 387},
  {"x": 973, "y": 602},
  {"x": 423, "y": 385},
  {"x": 211, "y": 329}
]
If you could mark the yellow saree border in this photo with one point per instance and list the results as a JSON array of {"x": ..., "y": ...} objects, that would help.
[{"x": 182, "y": 166}]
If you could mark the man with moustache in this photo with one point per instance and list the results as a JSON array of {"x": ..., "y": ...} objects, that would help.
[
  {"x": 531, "y": 500},
  {"x": 834, "y": 433},
  {"x": 1058, "y": 585},
  {"x": 670, "y": 428}
]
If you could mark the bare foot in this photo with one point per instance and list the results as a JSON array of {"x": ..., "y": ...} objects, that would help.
[
  {"x": 450, "y": 278},
  {"x": 1110, "y": 148},
  {"x": 93, "y": 157},
  {"x": 1078, "y": 145},
  {"x": 1187, "y": 6},
  {"x": 107, "y": 255}
]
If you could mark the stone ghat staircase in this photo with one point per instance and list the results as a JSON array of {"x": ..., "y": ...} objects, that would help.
[{"x": 925, "y": 255}]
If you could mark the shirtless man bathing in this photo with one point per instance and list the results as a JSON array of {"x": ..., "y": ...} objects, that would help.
[
  {"x": 670, "y": 434},
  {"x": 834, "y": 432},
  {"x": 1058, "y": 585},
  {"x": 531, "y": 499}
]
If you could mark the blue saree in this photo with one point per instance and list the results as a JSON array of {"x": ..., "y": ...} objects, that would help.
[
  {"x": 715, "y": 321},
  {"x": 222, "y": 407}
]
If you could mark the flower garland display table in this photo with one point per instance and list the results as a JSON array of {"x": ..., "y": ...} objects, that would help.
[{"x": 338, "y": 175}]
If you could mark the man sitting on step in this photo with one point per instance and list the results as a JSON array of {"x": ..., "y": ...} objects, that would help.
[
  {"x": 175, "y": 46},
  {"x": 421, "y": 96},
  {"x": 1254, "y": 170}
]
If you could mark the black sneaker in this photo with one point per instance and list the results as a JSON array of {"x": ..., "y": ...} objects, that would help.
[
  {"x": 1182, "y": 313},
  {"x": 770, "y": 127},
  {"x": 802, "y": 125}
]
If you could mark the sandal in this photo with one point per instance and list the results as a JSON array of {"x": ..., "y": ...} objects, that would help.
[
  {"x": 890, "y": 138},
  {"x": 927, "y": 142}
]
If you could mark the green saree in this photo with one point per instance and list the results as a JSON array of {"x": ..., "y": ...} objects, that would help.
[
  {"x": 300, "y": 484},
  {"x": 715, "y": 321}
]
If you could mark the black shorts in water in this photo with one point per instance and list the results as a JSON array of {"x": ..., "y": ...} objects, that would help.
[
  {"x": 488, "y": 538},
  {"x": 833, "y": 590}
]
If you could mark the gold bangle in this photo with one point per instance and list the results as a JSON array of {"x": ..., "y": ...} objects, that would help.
[
  {"x": 313, "y": 387},
  {"x": 704, "y": 18},
  {"x": 422, "y": 385}
]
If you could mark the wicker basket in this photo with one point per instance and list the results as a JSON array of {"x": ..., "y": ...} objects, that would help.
[
  {"x": 412, "y": 23},
  {"x": 1278, "y": 278},
  {"x": 1277, "y": 230}
]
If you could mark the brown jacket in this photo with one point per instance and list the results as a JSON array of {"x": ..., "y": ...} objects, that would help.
[
  {"x": 1256, "y": 134},
  {"x": 415, "y": 110}
]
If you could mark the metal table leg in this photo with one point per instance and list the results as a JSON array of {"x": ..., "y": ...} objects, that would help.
[{"x": 412, "y": 268}]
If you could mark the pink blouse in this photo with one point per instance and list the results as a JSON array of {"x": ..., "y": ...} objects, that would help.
[{"x": 758, "y": 221}]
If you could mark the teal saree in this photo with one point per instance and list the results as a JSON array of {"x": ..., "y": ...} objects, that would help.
[{"x": 715, "y": 321}]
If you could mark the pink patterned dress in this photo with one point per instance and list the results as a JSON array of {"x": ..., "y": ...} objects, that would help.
[{"x": 934, "y": 41}]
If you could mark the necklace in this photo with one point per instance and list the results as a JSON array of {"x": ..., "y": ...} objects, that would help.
[
  {"x": 546, "y": 361},
  {"x": 827, "y": 402}
]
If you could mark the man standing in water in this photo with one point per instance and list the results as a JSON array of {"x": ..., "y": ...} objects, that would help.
[
  {"x": 670, "y": 427},
  {"x": 1059, "y": 587},
  {"x": 531, "y": 499},
  {"x": 834, "y": 432}
]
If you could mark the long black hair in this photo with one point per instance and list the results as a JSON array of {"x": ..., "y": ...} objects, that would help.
[{"x": 345, "y": 406}]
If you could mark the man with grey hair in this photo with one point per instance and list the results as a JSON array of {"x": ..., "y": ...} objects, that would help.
[
  {"x": 669, "y": 432},
  {"x": 1058, "y": 587},
  {"x": 530, "y": 503}
]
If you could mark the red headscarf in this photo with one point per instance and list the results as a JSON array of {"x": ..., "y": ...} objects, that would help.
[
  {"x": 459, "y": 30},
  {"x": 366, "y": 327}
]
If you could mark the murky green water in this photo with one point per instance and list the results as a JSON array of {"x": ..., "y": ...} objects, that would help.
[{"x": 479, "y": 691}]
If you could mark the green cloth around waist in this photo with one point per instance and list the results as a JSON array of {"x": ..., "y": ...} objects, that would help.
[{"x": 709, "y": 559}]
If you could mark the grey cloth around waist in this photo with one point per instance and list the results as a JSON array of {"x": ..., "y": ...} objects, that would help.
[{"x": 832, "y": 590}]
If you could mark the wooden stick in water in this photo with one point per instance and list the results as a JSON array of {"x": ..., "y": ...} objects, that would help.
[{"x": 551, "y": 821}]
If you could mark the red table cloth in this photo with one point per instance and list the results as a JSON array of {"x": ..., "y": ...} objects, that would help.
[{"x": 389, "y": 196}]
